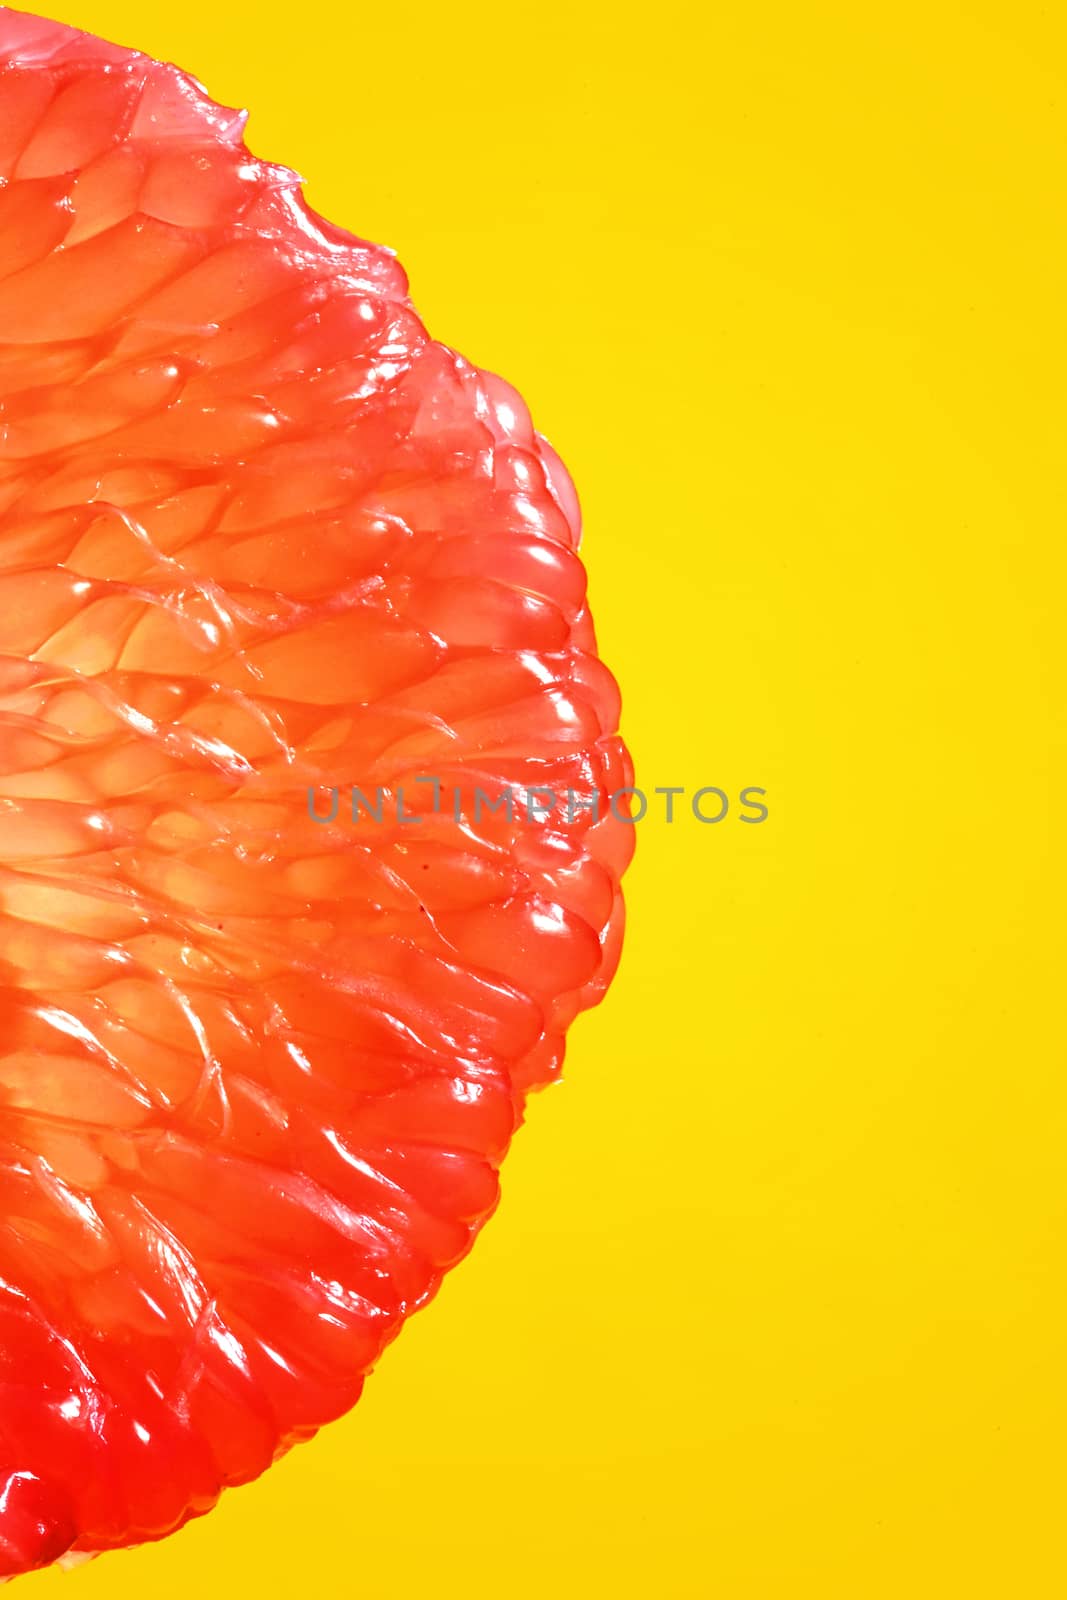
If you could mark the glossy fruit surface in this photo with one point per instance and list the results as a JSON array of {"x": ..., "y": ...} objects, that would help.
[{"x": 264, "y": 544}]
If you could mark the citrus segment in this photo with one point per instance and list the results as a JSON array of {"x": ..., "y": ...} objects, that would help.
[{"x": 292, "y": 626}]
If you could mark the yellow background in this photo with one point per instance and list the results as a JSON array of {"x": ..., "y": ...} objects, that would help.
[{"x": 773, "y": 1304}]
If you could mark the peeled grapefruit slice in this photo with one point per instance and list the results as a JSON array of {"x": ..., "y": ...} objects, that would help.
[{"x": 263, "y": 540}]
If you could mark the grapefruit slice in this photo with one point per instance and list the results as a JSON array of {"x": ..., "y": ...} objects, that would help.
[{"x": 265, "y": 1040}]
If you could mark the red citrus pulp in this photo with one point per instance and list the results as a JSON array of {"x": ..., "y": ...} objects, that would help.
[{"x": 262, "y": 540}]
